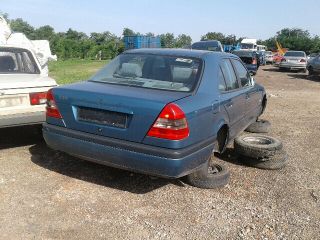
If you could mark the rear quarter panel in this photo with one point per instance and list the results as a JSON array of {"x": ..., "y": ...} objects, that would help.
[{"x": 204, "y": 114}]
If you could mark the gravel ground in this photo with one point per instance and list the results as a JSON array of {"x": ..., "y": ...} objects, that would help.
[{"x": 49, "y": 195}]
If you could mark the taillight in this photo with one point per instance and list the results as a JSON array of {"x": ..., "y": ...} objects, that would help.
[
  {"x": 254, "y": 61},
  {"x": 283, "y": 60},
  {"x": 38, "y": 98},
  {"x": 171, "y": 124},
  {"x": 52, "y": 109},
  {"x": 302, "y": 60}
]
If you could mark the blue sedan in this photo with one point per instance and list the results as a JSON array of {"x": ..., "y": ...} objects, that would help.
[{"x": 155, "y": 111}]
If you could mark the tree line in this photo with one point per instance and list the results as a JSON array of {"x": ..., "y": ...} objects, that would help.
[{"x": 106, "y": 45}]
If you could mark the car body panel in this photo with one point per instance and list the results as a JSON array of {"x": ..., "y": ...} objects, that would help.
[
  {"x": 206, "y": 110},
  {"x": 314, "y": 65}
]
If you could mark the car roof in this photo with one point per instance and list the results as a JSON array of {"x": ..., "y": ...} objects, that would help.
[{"x": 178, "y": 52}]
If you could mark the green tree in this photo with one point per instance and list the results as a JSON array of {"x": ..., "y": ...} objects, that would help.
[
  {"x": 167, "y": 40},
  {"x": 183, "y": 41},
  {"x": 4, "y": 15},
  {"x": 293, "y": 39},
  {"x": 213, "y": 36},
  {"x": 128, "y": 32},
  {"x": 18, "y": 25},
  {"x": 44, "y": 32}
]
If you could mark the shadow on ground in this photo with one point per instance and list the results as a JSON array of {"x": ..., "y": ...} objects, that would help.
[
  {"x": 304, "y": 77},
  {"x": 230, "y": 156},
  {"x": 96, "y": 173},
  {"x": 273, "y": 69},
  {"x": 20, "y": 136}
]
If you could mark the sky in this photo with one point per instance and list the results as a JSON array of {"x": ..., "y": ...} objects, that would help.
[{"x": 246, "y": 18}]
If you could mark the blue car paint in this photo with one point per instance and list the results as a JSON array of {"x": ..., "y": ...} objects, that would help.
[
  {"x": 206, "y": 110},
  {"x": 252, "y": 68}
]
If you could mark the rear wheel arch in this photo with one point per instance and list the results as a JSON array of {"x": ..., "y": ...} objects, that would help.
[
  {"x": 264, "y": 103},
  {"x": 222, "y": 138}
]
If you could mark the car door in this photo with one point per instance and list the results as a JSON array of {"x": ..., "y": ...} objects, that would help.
[
  {"x": 317, "y": 64},
  {"x": 252, "y": 95},
  {"x": 232, "y": 98}
]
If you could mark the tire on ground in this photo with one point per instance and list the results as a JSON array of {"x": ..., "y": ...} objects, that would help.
[
  {"x": 277, "y": 161},
  {"x": 213, "y": 176},
  {"x": 260, "y": 126},
  {"x": 257, "y": 146}
]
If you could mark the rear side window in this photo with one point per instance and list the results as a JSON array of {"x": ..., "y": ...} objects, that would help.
[
  {"x": 242, "y": 73},
  {"x": 229, "y": 75},
  {"x": 15, "y": 60},
  {"x": 222, "y": 84}
]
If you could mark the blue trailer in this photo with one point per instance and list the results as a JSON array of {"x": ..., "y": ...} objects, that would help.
[{"x": 139, "y": 41}]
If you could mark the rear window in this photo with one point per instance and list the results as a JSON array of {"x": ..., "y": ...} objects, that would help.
[
  {"x": 247, "y": 45},
  {"x": 208, "y": 46},
  {"x": 152, "y": 71},
  {"x": 243, "y": 53},
  {"x": 294, "y": 54},
  {"x": 15, "y": 60}
]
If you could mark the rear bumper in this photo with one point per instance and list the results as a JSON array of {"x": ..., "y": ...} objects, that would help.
[
  {"x": 137, "y": 157},
  {"x": 22, "y": 119},
  {"x": 292, "y": 66}
]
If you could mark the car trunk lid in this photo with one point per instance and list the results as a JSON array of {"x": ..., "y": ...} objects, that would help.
[
  {"x": 121, "y": 112},
  {"x": 15, "y": 89}
]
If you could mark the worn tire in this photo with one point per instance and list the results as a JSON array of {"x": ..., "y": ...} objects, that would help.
[
  {"x": 257, "y": 146},
  {"x": 209, "y": 179},
  {"x": 260, "y": 126},
  {"x": 277, "y": 161}
]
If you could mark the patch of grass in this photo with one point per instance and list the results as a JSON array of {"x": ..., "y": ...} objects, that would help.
[{"x": 75, "y": 70}]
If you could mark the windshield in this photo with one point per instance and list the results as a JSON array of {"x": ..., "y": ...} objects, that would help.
[
  {"x": 152, "y": 71},
  {"x": 268, "y": 53},
  {"x": 294, "y": 54},
  {"x": 247, "y": 46},
  {"x": 209, "y": 46},
  {"x": 16, "y": 60}
]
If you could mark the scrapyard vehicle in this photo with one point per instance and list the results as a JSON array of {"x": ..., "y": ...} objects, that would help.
[
  {"x": 314, "y": 66},
  {"x": 250, "y": 59},
  {"x": 157, "y": 111},
  {"x": 294, "y": 60},
  {"x": 24, "y": 79}
]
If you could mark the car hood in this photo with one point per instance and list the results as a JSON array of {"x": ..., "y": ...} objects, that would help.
[{"x": 14, "y": 81}]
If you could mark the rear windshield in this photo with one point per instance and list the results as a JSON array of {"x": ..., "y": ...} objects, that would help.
[
  {"x": 247, "y": 45},
  {"x": 152, "y": 71},
  {"x": 294, "y": 54},
  {"x": 208, "y": 46},
  {"x": 15, "y": 60},
  {"x": 243, "y": 53}
]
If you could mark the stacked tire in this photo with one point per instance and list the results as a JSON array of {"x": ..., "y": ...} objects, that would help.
[{"x": 260, "y": 151}]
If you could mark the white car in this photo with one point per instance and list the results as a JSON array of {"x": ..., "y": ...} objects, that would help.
[
  {"x": 294, "y": 60},
  {"x": 268, "y": 56},
  {"x": 23, "y": 87}
]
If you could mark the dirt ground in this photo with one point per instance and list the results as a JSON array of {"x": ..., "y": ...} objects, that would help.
[{"x": 49, "y": 195}]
